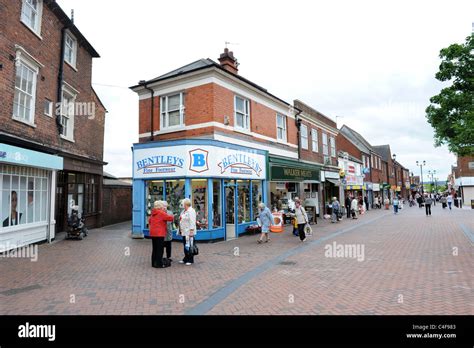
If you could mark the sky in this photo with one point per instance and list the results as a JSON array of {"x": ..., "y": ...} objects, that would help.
[{"x": 370, "y": 63}]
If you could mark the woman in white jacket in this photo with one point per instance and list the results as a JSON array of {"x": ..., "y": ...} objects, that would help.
[
  {"x": 354, "y": 207},
  {"x": 187, "y": 229}
]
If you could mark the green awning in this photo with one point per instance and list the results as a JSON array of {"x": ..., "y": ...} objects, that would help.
[{"x": 292, "y": 170}]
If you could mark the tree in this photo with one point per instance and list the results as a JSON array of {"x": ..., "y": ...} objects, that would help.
[{"x": 451, "y": 112}]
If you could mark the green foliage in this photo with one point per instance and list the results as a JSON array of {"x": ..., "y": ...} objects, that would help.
[{"x": 451, "y": 112}]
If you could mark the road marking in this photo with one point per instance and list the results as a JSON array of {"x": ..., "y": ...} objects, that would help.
[{"x": 228, "y": 289}]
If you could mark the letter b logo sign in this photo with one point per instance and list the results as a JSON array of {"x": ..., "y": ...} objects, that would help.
[{"x": 198, "y": 160}]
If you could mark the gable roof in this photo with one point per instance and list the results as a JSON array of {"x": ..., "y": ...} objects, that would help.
[
  {"x": 357, "y": 139},
  {"x": 384, "y": 151}
]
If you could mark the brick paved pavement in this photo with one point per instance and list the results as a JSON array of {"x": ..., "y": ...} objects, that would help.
[{"x": 408, "y": 268}]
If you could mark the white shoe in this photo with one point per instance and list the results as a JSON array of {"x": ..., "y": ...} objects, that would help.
[
  {"x": 188, "y": 263},
  {"x": 181, "y": 261},
  {"x": 304, "y": 240}
]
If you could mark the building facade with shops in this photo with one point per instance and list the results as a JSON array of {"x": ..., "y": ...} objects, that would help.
[
  {"x": 463, "y": 179},
  {"x": 233, "y": 144},
  {"x": 49, "y": 109}
]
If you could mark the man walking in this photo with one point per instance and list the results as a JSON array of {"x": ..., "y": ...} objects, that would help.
[
  {"x": 428, "y": 202},
  {"x": 348, "y": 206},
  {"x": 366, "y": 201},
  {"x": 395, "y": 205},
  {"x": 449, "y": 199}
]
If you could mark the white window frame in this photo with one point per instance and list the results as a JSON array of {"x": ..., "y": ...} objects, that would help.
[
  {"x": 48, "y": 112},
  {"x": 68, "y": 92},
  {"x": 164, "y": 111},
  {"x": 73, "y": 48},
  {"x": 332, "y": 143},
  {"x": 23, "y": 61},
  {"x": 314, "y": 140},
  {"x": 304, "y": 136},
  {"x": 379, "y": 164},
  {"x": 26, "y": 6},
  {"x": 245, "y": 114},
  {"x": 325, "y": 144},
  {"x": 283, "y": 129}
]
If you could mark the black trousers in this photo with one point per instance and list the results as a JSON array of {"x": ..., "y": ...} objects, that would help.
[
  {"x": 348, "y": 211},
  {"x": 157, "y": 251},
  {"x": 301, "y": 231},
  {"x": 188, "y": 257},
  {"x": 428, "y": 209},
  {"x": 168, "y": 249}
]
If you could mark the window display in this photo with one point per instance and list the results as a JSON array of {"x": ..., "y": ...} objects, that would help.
[
  {"x": 216, "y": 203},
  {"x": 256, "y": 197},
  {"x": 244, "y": 201},
  {"x": 24, "y": 195},
  {"x": 174, "y": 195},
  {"x": 153, "y": 192},
  {"x": 229, "y": 202},
  {"x": 199, "y": 202}
]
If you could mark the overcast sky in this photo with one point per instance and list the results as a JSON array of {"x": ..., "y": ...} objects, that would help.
[{"x": 371, "y": 62}]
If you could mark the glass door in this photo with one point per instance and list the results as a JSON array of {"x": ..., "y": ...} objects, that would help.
[{"x": 229, "y": 199}]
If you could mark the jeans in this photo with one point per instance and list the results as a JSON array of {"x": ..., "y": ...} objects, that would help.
[
  {"x": 301, "y": 231},
  {"x": 428, "y": 209},
  {"x": 449, "y": 204},
  {"x": 334, "y": 216},
  {"x": 157, "y": 251},
  {"x": 395, "y": 209},
  {"x": 188, "y": 257},
  {"x": 168, "y": 249}
]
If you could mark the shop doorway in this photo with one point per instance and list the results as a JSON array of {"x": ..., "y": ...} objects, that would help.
[{"x": 230, "y": 193}]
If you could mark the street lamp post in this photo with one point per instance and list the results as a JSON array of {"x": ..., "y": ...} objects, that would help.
[
  {"x": 421, "y": 164},
  {"x": 394, "y": 156}
]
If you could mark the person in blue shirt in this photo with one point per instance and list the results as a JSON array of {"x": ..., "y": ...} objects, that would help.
[{"x": 266, "y": 220}]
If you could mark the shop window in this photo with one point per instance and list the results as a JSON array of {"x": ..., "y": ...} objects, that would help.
[
  {"x": 174, "y": 195},
  {"x": 199, "y": 202},
  {"x": 154, "y": 192},
  {"x": 23, "y": 195},
  {"x": 257, "y": 197},
  {"x": 216, "y": 204},
  {"x": 244, "y": 201}
]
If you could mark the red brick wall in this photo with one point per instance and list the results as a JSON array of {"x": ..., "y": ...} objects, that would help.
[
  {"x": 318, "y": 157},
  {"x": 343, "y": 144},
  {"x": 463, "y": 166},
  {"x": 117, "y": 204},
  {"x": 88, "y": 134},
  {"x": 212, "y": 102}
]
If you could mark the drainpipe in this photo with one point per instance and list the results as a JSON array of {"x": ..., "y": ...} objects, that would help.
[
  {"x": 59, "y": 95},
  {"x": 152, "y": 110},
  {"x": 298, "y": 126}
]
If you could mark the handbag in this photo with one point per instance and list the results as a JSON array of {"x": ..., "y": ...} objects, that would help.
[
  {"x": 193, "y": 248},
  {"x": 308, "y": 231}
]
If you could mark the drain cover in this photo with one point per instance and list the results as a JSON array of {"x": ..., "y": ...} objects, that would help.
[
  {"x": 20, "y": 290},
  {"x": 287, "y": 263}
]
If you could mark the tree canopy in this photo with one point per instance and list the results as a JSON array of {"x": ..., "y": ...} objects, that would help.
[{"x": 451, "y": 112}]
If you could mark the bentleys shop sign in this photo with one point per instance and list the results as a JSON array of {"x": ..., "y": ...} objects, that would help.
[{"x": 198, "y": 161}]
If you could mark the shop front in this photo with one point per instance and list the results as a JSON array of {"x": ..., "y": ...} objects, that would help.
[
  {"x": 225, "y": 183},
  {"x": 27, "y": 186},
  {"x": 369, "y": 191},
  {"x": 289, "y": 179},
  {"x": 331, "y": 188}
]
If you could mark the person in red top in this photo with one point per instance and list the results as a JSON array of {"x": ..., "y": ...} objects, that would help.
[{"x": 158, "y": 220}]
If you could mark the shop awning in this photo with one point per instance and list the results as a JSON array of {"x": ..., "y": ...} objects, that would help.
[
  {"x": 292, "y": 170},
  {"x": 24, "y": 157},
  {"x": 334, "y": 181}
]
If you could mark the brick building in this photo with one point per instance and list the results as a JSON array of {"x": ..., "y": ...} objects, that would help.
[
  {"x": 357, "y": 146},
  {"x": 51, "y": 122},
  {"x": 463, "y": 175},
  {"x": 209, "y": 134},
  {"x": 389, "y": 186}
]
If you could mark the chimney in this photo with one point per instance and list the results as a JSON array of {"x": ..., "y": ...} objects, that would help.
[{"x": 228, "y": 62}]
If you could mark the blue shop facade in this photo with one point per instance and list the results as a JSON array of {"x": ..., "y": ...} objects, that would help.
[{"x": 224, "y": 181}]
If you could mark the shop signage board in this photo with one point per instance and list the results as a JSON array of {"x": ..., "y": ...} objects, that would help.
[
  {"x": 376, "y": 187},
  {"x": 23, "y": 157},
  {"x": 198, "y": 161},
  {"x": 282, "y": 173}
]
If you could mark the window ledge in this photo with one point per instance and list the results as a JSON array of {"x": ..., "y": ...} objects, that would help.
[
  {"x": 66, "y": 138},
  {"x": 72, "y": 66},
  {"x": 170, "y": 130},
  {"x": 281, "y": 141},
  {"x": 242, "y": 130},
  {"x": 24, "y": 122},
  {"x": 32, "y": 30}
]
